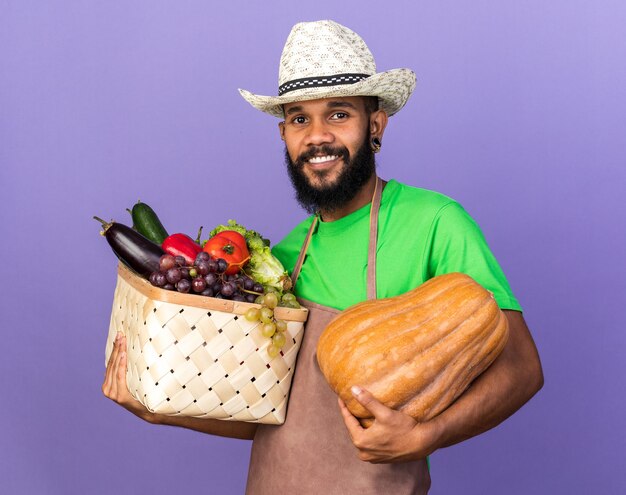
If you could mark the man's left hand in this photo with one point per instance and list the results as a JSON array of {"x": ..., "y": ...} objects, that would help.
[{"x": 393, "y": 436}]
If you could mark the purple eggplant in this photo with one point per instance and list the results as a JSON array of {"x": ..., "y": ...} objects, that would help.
[{"x": 137, "y": 252}]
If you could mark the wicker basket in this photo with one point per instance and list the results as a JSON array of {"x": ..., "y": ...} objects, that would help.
[{"x": 197, "y": 356}]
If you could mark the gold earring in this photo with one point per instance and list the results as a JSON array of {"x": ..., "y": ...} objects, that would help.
[{"x": 376, "y": 144}]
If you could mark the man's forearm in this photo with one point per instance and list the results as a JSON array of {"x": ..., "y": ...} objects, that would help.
[
  {"x": 230, "y": 429},
  {"x": 500, "y": 391}
]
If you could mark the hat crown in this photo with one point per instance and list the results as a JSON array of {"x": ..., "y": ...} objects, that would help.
[
  {"x": 323, "y": 48},
  {"x": 324, "y": 59}
]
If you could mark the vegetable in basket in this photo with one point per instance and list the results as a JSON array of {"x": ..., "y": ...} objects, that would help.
[
  {"x": 147, "y": 223},
  {"x": 133, "y": 249},
  {"x": 231, "y": 247},
  {"x": 263, "y": 266},
  {"x": 182, "y": 245}
]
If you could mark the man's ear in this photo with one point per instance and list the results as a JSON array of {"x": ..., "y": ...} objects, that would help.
[
  {"x": 378, "y": 123},
  {"x": 281, "y": 129}
]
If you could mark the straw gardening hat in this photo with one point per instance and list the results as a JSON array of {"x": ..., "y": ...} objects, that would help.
[{"x": 324, "y": 59}]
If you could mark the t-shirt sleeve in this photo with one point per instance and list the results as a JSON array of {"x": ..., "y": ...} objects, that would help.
[{"x": 456, "y": 244}]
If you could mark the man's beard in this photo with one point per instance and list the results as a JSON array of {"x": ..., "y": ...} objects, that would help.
[{"x": 354, "y": 175}]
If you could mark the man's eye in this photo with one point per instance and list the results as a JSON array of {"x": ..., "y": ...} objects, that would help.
[
  {"x": 339, "y": 116},
  {"x": 299, "y": 120}
]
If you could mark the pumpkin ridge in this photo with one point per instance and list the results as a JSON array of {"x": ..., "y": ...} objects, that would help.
[
  {"x": 423, "y": 339},
  {"x": 380, "y": 305},
  {"x": 444, "y": 347},
  {"x": 343, "y": 338},
  {"x": 470, "y": 366}
]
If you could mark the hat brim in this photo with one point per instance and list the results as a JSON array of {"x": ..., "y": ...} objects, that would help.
[{"x": 393, "y": 89}]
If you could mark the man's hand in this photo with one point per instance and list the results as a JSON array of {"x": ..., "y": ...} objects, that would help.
[
  {"x": 114, "y": 386},
  {"x": 393, "y": 437},
  {"x": 116, "y": 389}
]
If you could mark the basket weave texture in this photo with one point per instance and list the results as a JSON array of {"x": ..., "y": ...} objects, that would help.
[{"x": 198, "y": 356}]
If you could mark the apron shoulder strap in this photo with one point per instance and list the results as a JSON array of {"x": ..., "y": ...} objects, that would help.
[
  {"x": 302, "y": 255},
  {"x": 371, "y": 251}
]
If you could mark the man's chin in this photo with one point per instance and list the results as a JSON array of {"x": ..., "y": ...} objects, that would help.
[
  {"x": 321, "y": 185},
  {"x": 321, "y": 181}
]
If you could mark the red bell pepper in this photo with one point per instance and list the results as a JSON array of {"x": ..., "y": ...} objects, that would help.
[{"x": 182, "y": 245}]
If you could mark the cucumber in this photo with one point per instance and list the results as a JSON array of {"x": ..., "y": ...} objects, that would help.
[{"x": 147, "y": 223}]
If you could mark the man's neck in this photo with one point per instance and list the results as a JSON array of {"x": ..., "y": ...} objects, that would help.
[{"x": 363, "y": 197}]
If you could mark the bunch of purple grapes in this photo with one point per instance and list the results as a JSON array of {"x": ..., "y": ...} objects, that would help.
[{"x": 205, "y": 277}]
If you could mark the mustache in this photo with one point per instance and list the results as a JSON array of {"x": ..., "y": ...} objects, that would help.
[{"x": 342, "y": 152}]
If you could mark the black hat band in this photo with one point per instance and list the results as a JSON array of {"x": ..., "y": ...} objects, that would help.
[{"x": 317, "y": 81}]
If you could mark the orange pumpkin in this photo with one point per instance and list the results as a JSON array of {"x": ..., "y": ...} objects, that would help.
[{"x": 416, "y": 352}]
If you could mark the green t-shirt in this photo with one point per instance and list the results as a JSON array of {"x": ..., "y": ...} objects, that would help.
[{"x": 421, "y": 234}]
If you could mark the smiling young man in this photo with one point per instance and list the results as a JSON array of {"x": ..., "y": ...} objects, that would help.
[
  {"x": 366, "y": 238},
  {"x": 334, "y": 107}
]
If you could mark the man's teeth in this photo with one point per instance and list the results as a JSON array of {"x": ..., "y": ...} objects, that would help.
[{"x": 322, "y": 159}]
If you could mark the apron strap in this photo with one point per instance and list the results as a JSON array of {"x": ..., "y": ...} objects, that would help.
[
  {"x": 302, "y": 255},
  {"x": 371, "y": 252}
]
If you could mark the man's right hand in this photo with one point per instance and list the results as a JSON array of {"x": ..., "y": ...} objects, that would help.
[{"x": 115, "y": 387}]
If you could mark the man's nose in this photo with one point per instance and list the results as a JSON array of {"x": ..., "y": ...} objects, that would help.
[{"x": 319, "y": 133}]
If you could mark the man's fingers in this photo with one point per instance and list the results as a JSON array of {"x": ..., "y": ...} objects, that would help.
[
  {"x": 115, "y": 369},
  {"x": 351, "y": 422},
  {"x": 369, "y": 402},
  {"x": 119, "y": 368},
  {"x": 113, "y": 355},
  {"x": 109, "y": 372},
  {"x": 115, "y": 386}
]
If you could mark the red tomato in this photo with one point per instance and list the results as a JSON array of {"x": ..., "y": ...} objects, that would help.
[
  {"x": 230, "y": 248},
  {"x": 235, "y": 237}
]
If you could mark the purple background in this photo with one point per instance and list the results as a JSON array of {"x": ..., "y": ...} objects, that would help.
[{"x": 519, "y": 114}]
